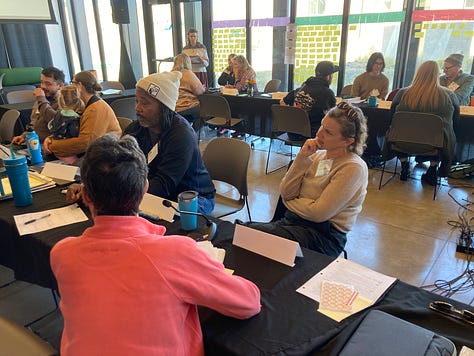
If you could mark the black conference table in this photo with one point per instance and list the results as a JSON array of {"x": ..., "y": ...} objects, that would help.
[
  {"x": 26, "y": 108},
  {"x": 288, "y": 324},
  {"x": 256, "y": 111},
  {"x": 379, "y": 119}
]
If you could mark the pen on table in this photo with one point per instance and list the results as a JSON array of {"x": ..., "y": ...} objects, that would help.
[{"x": 33, "y": 220}]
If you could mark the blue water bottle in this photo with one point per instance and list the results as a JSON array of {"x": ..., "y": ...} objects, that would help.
[
  {"x": 188, "y": 202},
  {"x": 17, "y": 172},
  {"x": 34, "y": 147}
]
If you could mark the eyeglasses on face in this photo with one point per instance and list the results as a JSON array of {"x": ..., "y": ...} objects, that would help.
[
  {"x": 47, "y": 84},
  {"x": 449, "y": 310},
  {"x": 448, "y": 68},
  {"x": 74, "y": 82},
  {"x": 350, "y": 111}
]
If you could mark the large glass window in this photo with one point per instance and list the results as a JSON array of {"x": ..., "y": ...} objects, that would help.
[
  {"x": 318, "y": 37},
  {"x": 374, "y": 26},
  {"x": 110, "y": 40},
  {"x": 228, "y": 31},
  {"x": 267, "y": 39},
  {"x": 163, "y": 34},
  {"x": 439, "y": 29}
]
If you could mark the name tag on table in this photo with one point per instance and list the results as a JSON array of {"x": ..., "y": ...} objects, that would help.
[
  {"x": 229, "y": 91},
  {"x": 268, "y": 245},
  {"x": 152, "y": 207},
  {"x": 60, "y": 171}
]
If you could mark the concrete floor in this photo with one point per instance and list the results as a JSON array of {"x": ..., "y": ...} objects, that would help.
[{"x": 401, "y": 232}]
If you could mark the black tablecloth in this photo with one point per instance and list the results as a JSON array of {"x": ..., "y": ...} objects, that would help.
[
  {"x": 288, "y": 324},
  {"x": 255, "y": 110},
  {"x": 378, "y": 122}
]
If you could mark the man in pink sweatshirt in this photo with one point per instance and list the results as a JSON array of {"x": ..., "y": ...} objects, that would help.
[{"x": 125, "y": 288}]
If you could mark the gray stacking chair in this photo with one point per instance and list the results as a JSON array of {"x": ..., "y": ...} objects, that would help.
[
  {"x": 414, "y": 133},
  {"x": 7, "y": 125},
  {"x": 111, "y": 84},
  {"x": 20, "y": 96},
  {"x": 124, "y": 122},
  {"x": 215, "y": 110},
  {"x": 272, "y": 86},
  {"x": 288, "y": 119},
  {"x": 226, "y": 160},
  {"x": 124, "y": 107}
]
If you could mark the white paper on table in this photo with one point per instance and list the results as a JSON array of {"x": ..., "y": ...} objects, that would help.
[
  {"x": 152, "y": 207},
  {"x": 370, "y": 284},
  {"x": 59, "y": 217},
  {"x": 466, "y": 351},
  {"x": 217, "y": 254},
  {"x": 355, "y": 100},
  {"x": 229, "y": 91},
  {"x": 268, "y": 245},
  {"x": 279, "y": 95},
  {"x": 60, "y": 171}
]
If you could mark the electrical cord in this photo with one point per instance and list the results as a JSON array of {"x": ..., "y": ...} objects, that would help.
[{"x": 465, "y": 281}]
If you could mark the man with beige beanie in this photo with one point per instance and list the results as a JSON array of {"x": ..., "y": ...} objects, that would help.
[
  {"x": 454, "y": 78},
  {"x": 169, "y": 142}
]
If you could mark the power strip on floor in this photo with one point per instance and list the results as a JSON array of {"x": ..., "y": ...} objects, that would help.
[{"x": 465, "y": 244}]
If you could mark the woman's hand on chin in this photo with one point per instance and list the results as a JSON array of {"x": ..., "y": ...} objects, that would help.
[{"x": 310, "y": 146}]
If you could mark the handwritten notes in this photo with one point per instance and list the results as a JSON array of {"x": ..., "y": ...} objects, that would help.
[
  {"x": 368, "y": 283},
  {"x": 48, "y": 219}
]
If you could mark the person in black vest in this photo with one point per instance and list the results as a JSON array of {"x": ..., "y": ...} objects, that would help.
[{"x": 314, "y": 96}]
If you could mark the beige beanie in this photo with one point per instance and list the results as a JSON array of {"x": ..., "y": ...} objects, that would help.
[
  {"x": 455, "y": 59},
  {"x": 162, "y": 86}
]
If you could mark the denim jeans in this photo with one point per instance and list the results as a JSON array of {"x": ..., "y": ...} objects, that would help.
[{"x": 205, "y": 206}]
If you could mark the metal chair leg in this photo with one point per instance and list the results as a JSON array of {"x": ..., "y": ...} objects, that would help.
[{"x": 394, "y": 173}]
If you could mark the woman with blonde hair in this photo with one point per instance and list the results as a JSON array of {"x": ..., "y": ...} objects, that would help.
[
  {"x": 189, "y": 88},
  {"x": 325, "y": 187},
  {"x": 244, "y": 74},
  {"x": 425, "y": 94},
  {"x": 65, "y": 123}
]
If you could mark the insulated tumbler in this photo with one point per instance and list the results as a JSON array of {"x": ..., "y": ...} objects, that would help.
[
  {"x": 188, "y": 201},
  {"x": 17, "y": 172}
]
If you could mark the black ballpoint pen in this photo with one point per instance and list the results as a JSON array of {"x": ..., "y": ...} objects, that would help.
[{"x": 33, "y": 220}]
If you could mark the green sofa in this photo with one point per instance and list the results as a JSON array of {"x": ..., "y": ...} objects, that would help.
[{"x": 21, "y": 76}]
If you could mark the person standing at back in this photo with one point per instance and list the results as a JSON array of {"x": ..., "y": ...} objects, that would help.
[
  {"x": 457, "y": 81},
  {"x": 46, "y": 103},
  {"x": 372, "y": 79},
  {"x": 126, "y": 289},
  {"x": 198, "y": 54},
  {"x": 314, "y": 96}
]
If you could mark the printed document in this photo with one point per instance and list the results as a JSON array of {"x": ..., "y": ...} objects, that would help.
[{"x": 31, "y": 223}]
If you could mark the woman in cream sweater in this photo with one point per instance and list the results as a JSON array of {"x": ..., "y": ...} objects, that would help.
[{"x": 190, "y": 88}]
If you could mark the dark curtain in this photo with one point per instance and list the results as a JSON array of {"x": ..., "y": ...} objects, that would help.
[{"x": 24, "y": 45}]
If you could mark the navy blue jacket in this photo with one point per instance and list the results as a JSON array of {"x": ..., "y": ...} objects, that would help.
[{"x": 178, "y": 165}]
